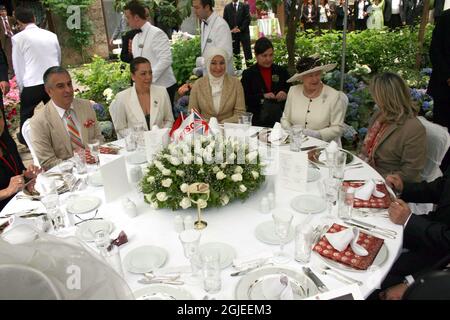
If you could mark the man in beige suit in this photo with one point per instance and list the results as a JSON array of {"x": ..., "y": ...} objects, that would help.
[{"x": 64, "y": 124}]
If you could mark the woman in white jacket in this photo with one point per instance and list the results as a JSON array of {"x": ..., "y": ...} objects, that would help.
[{"x": 143, "y": 103}]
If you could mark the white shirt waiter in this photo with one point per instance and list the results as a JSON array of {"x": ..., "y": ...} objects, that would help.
[
  {"x": 152, "y": 43},
  {"x": 34, "y": 50}
]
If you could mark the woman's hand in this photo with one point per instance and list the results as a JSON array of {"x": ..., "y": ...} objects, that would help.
[
  {"x": 281, "y": 96},
  {"x": 32, "y": 172},
  {"x": 16, "y": 184}
]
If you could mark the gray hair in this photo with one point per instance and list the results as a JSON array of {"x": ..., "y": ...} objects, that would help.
[{"x": 53, "y": 70}]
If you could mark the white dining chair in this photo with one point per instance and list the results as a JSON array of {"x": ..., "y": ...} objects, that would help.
[{"x": 26, "y": 134}]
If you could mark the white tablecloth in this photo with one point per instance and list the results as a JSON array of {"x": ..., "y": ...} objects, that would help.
[{"x": 233, "y": 224}]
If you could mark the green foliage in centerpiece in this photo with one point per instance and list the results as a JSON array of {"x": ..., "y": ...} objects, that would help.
[{"x": 231, "y": 169}]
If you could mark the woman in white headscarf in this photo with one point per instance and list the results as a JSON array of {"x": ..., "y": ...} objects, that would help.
[{"x": 218, "y": 94}]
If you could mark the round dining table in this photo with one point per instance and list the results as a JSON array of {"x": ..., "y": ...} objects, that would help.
[{"x": 233, "y": 225}]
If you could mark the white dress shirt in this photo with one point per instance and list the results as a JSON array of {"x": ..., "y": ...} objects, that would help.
[
  {"x": 34, "y": 50},
  {"x": 216, "y": 33},
  {"x": 152, "y": 43},
  {"x": 395, "y": 6},
  {"x": 61, "y": 113}
]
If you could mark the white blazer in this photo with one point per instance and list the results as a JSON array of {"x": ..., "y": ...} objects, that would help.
[
  {"x": 126, "y": 110},
  {"x": 34, "y": 50},
  {"x": 217, "y": 34},
  {"x": 156, "y": 48}
]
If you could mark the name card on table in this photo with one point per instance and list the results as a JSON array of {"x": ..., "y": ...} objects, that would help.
[
  {"x": 350, "y": 292},
  {"x": 115, "y": 179},
  {"x": 293, "y": 170},
  {"x": 155, "y": 141}
]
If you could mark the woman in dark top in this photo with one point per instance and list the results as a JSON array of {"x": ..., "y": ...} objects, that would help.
[
  {"x": 13, "y": 175},
  {"x": 265, "y": 86}
]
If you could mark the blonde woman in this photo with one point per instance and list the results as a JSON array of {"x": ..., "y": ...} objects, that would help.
[
  {"x": 218, "y": 94},
  {"x": 396, "y": 140}
]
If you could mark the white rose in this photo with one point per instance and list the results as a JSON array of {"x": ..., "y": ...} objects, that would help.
[
  {"x": 216, "y": 169},
  {"x": 202, "y": 203},
  {"x": 184, "y": 187},
  {"x": 231, "y": 157},
  {"x": 223, "y": 165},
  {"x": 198, "y": 160},
  {"x": 201, "y": 171},
  {"x": 161, "y": 196},
  {"x": 236, "y": 177},
  {"x": 242, "y": 188},
  {"x": 154, "y": 204},
  {"x": 166, "y": 182},
  {"x": 220, "y": 175},
  {"x": 166, "y": 172},
  {"x": 255, "y": 175},
  {"x": 151, "y": 179},
  {"x": 252, "y": 156},
  {"x": 224, "y": 199},
  {"x": 238, "y": 169},
  {"x": 180, "y": 173},
  {"x": 148, "y": 197},
  {"x": 185, "y": 203},
  {"x": 175, "y": 161},
  {"x": 187, "y": 159}
]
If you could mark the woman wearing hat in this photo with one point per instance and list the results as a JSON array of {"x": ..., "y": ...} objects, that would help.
[
  {"x": 218, "y": 94},
  {"x": 396, "y": 139},
  {"x": 317, "y": 107}
]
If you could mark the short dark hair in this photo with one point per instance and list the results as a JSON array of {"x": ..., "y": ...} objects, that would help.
[
  {"x": 137, "y": 61},
  {"x": 53, "y": 70},
  {"x": 209, "y": 3},
  {"x": 262, "y": 45},
  {"x": 24, "y": 15},
  {"x": 136, "y": 8}
]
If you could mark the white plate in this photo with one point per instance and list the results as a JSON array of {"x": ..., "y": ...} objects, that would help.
[
  {"x": 95, "y": 179},
  {"x": 308, "y": 203},
  {"x": 227, "y": 252},
  {"x": 83, "y": 204},
  {"x": 162, "y": 292},
  {"x": 137, "y": 157},
  {"x": 265, "y": 232},
  {"x": 379, "y": 260},
  {"x": 313, "y": 175},
  {"x": 250, "y": 285},
  {"x": 86, "y": 230},
  {"x": 323, "y": 157},
  {"x": 145, "y": 259}
]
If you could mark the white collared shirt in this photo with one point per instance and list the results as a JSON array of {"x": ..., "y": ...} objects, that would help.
[
  {"x": 62, "y": 111},
  {"x": 152, "y": 43},
  {"x": 34, "y": 50},
  {"x": 395, "y": 6},
  {"x": 361, "y": 10}
]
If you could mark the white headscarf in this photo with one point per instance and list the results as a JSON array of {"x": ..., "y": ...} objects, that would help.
[{"x": 216, "y": 83}]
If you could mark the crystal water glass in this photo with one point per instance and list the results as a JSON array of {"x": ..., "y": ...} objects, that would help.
[
  {"x": 340, "y": 160},
  {"x": 190, "y": 240},
  {"x": 296, "y": 136},
  {"x": 329, "y": 191},
  {"x": 94, "y": 149},
  {"x": 282, "y": 224}
]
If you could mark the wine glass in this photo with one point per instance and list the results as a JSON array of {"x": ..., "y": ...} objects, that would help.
[
  {"x": 94, "y": 146},
  {"x": 329, "y": 191},
  {"x": 282, "y": 223},
  {"x": 190, "y": 240}
]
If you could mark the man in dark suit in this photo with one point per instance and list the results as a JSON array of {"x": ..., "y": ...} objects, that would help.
[
  {"x": 6, "y": 34},
  {"x": 439, "y": 85},
  {"x": 394, "y": 13},
  {"x": 427, "y": 237},
  {"x": 4, "y": 83},
  {"x": 127, "y": 39},
  {"x": 237, "y": 15}
]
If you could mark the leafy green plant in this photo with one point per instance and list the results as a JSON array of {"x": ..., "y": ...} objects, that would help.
[{"x": 184, "y": 54}]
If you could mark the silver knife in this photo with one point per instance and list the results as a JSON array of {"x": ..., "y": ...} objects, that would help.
[
  {"x": 374, "y": 226},
  {"x": 371, "y": 230},
  {"x": 245, "y": 271},
  {"x": 319, "y": 284},
  {"x": 163, "y": 281}
]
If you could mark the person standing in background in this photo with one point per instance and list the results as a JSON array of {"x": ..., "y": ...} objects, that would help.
[
  {"x": 6, "y": 33},
  {"x": 34, "y": 50},
  {"x": 237, "y": 15}
]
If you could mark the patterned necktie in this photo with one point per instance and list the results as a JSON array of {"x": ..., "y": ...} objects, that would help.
[
  {"x": 74, "y": 134},
  {"x": 8, "y": 31}
]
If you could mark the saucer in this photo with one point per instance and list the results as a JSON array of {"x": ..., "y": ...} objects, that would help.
[
  {"x": 145, "y": 259},
  {"x": 83, "y": 204}
]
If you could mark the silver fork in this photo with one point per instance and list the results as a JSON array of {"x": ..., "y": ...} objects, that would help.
[{"x": 333, "y": 272}]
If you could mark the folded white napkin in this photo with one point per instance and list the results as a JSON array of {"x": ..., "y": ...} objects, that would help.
[
  {"x": 214, "y": 126},
  {"x": 340, "y": 241},
  {"x": 277, "y": 288},
  {"x": 45, "y": 185},
  {"x": 19, "y": 231},
  {"x": 369, "y": 188},
  {"x": 277, "y": 135},
  {"x": 332, "y": 147},
  {"x": 252, "y": 260}
]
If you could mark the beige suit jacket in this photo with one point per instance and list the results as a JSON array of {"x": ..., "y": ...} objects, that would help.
[
  {"x": 232, "y": 102},
  {"x": 49, "y": 137},
  {"x": 126, "y": 110}
]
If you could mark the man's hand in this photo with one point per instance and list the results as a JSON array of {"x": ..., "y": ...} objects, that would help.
[
  {"x": 281, "y": 96},
  {"x": 269, "y": 95},
  {"x": 4, "y": 86},
  {"x": 394, "y": 293},
  {"x": 234, "y": 30},
  {"x": 399, "y": 212},
  {"x": 395, "y": 181}
]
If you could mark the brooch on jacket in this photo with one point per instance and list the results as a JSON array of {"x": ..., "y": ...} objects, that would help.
[
  {"x": 155, "y": 103},
  {"x": 89, "y": 123},
  {"x": 275, "y": 78}
]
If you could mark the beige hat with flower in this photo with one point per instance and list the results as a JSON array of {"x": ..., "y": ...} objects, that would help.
[{"x": 308, "y": 65}]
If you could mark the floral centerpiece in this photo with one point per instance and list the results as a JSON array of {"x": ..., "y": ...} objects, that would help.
[
  {"x": 230, "y": 167},
  {"x": 11, "y": 103}
]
